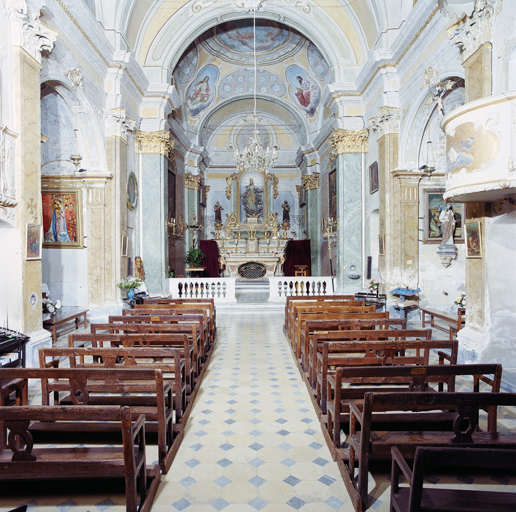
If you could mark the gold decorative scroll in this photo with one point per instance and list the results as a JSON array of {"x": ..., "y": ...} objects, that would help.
[
  {"x": 349, "y": 141},
  {"x": 298, "y": 188},
  {"x": 311, "y": 181},
  {"x": 153, "y": 143},
  {"x": 229, "y": 182},
  {"x": 274, "y": 180},
  {"x": 192, "y": 182}
]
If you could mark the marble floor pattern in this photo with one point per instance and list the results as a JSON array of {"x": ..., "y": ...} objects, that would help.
[{"x": 253, "y": 441}]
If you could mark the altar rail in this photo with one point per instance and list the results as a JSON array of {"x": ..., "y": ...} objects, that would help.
[
  {"x": 223, "y": 289},
  {"x": 282, "y": 287}
]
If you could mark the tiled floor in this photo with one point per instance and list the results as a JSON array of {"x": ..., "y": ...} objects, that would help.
[{"x": 253, "y": 441}]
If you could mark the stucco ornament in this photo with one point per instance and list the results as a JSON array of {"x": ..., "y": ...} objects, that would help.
[
  {"x": 118, "y": 124},
  {"x": 192, "y": 182},
  {"x": 28, "y": 31},
  {"x": 387, "y": 120},
  {"x": 311, "y": 181},
  {"x": 438, "y": 89},
  {"x": 75, "y": 76},
  {"x": 471, "y": 31},
  {"x": 154, "y": 142},
  {"x": 7, "y": 179}
]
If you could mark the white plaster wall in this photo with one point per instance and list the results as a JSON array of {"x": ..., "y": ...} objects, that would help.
[
  {"x": 500, "y": 248},
  {"x": 10, "y": 272}
]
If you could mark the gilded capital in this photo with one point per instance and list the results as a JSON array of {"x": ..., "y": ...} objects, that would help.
[
  {"x": 154, "y": 142},
  {"x": 192, "y": 182},
  {"x": 311, "y": 181},
  {"x": 350, "y": 141}
]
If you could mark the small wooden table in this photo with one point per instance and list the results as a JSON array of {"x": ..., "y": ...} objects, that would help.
[{"x": 64, "y": 315}]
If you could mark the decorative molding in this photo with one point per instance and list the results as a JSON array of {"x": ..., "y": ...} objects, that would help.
[
  {"x": 32, "y": 208},
  {"x": 75, "y": 76},
  {"x": 386, "y": 121},
  {"x": 229, "y": 180},
  {"x": 117, "y": 124},
  {"x": 349, "y": 141},
  {"x": 7, "y": 175},
  {"x": 153, "y": 143},
  {"x": 192, "y": 182},
  {"x": 470, "y": 32},
  {"x": 275, "y": 180},
  {"x": 298, "y": 190},
  {"x": 27, "y": 30},
  {"x": 311, "y": 181}
]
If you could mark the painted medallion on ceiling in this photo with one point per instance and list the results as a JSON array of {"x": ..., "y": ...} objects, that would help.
[
  {"x": 201, "y": 91},
  {"x": 304, "y": 90},
  {"x": 233, "y": 42},
  {"x": 241, "y": 81},
  {"x": 188, "y": 65}
]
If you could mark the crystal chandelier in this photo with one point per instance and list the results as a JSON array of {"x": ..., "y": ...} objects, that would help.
[{"x": 254, "y": 156}]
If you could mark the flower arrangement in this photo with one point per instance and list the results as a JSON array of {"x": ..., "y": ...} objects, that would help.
[
  {"x": 129, "y": 283},
  {"x": 460, "y": 300},
  {"x": 373, "y": 286},
  {"x": 49, "y": 307}
]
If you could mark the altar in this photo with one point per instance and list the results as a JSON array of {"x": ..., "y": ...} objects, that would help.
[{"x": 252, "y": 258}]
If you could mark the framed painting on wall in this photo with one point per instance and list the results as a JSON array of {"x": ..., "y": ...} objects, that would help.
[
  {"x": 171, "y": 195},
  {"x": 33, "y": 242},
  {"x": 433, "y": 205},
  {"x": 132, "y": 192},
  {"x": 473, "y": 240},
  {"x": 62, "y": 219},
  {"x": 332, "y": 194},
  {"x": 373, "y": 178}
]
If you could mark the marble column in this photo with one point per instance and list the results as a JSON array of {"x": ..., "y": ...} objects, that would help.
[
  {"x": 348, "y": 147},
  {"x": 155, "y": 149},
  {"x": 29, "y": 38},
  {"x": 386, "y": 126},
  {"x": 311, "y": 182}
]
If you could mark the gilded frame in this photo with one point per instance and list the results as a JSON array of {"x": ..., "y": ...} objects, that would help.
[{"x": 62, "y": 219}]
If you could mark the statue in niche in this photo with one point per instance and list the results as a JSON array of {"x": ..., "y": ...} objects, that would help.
[
  {"x": 447, "y": 220},
  {"x": 218, "y": 213},
  {"x": 252, "y": 200},
  {"x": 286, "y": 211}
]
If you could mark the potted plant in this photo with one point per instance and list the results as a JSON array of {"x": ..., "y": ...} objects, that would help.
[
  {"x": 128, "y": 284},
  {"x": 194, "y": 257}
]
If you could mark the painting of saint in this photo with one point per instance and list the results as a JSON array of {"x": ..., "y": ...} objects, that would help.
[
  {"x": 201, "y": 91},
  {"x": 304, "y": 90},
  {"x": 434, "y": 231},
  {"x": 33, "y": 251},
  {"x": 61, "y": 212}
]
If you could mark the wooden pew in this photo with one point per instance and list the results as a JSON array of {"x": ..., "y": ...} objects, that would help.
[
  {"x": 456, "y": 320},
  {"x": 144, "y": 390},
  {"x": 186, "y": 304},
  {"x": 367, "y": 443},
  {"x": 155, "y": 314},
  {"x": 438, "y": 498},
  {"x": 319, "y": 307},
  {"x": 167, "y": 360},
  {"x": 310, "y": 299},
  {"x": 179, "y": 341},
  {"x": 362, "y": 348},
  {"x": 23, "y": 460},
  {"x": 351, "y": 383},
  {"x": 304, "y": 314},
  {"x": 350, "y": 322}
]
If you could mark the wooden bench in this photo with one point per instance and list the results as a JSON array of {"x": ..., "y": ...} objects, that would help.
[
  {"x": 455, "y": 320},
  {"x": 367, "y": 443},
  {"x": 64, "y": 315},
  {"x": 363, "y": 348},
  {"x": 179, "y": 341},
  {"x": 351, "y": 383},
  {"x": 310, "y": 299},
  {"x": 167, "y": 360},
  {"x": 23, "y": 460},
  {"x": 348, "y": 322},
  {"x": 418, "y": 497},
  {"x": 144, "y": 390}
]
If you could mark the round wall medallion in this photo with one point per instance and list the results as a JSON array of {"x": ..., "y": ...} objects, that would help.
[{"x": 132, "y": 192}]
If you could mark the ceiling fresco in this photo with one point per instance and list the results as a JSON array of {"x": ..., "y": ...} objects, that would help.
[
  {"x": 233, "y": 42},
  {"x": 241, "y": 81}
]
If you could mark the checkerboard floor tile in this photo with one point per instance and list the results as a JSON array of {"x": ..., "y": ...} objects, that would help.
[{"x": 253, "y": 441}]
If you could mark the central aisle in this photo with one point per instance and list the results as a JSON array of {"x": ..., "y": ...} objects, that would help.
[{"x": 253, "y": 440}]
